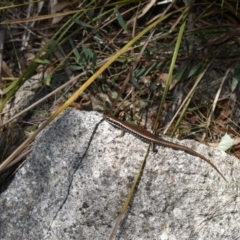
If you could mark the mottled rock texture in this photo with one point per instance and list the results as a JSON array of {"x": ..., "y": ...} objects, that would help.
[{"x": 75, "y": 181}]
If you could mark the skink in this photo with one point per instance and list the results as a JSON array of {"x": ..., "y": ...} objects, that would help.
[{"x": 148, "y": 137}]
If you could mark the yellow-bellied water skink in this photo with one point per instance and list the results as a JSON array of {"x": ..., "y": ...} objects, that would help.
[{"x": 148, "y": 137}]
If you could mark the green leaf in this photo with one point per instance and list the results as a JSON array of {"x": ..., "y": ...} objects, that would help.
[
  {"x": 60, "y": 49},
  {"x": 179, "y": 75},
  {"x": 88, "y": 53},
  {"x": 76, "y": 67},
  {"x": 152, "y": 87},
  {"x": 140, "y": 72},
  {"x": 120, "y": 19},
  {"x": 97, "y": 38},
  {"x": 187, "y": 73},
  {"x": 83, "y": 24},
  {"x": 94, "y": 59},
  {"x": 48, "y": 79},
  {"x": 42, "y": 61},
  {"x": 114, "y": 95},
  {"x": 235, "y": 77},
  {"x": 90, "y": 13},
  {"x": 74, "y": 50},
  {"x": 226, "y": 143},
  {"x": 135, "y": 83},
  {"x": 192, "y": 71}
]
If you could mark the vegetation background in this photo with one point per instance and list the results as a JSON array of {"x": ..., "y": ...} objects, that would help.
[{"x": 170, "y": 65}]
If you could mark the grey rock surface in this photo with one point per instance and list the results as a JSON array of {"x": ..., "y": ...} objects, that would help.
[{"x": 74, "y": 183}]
